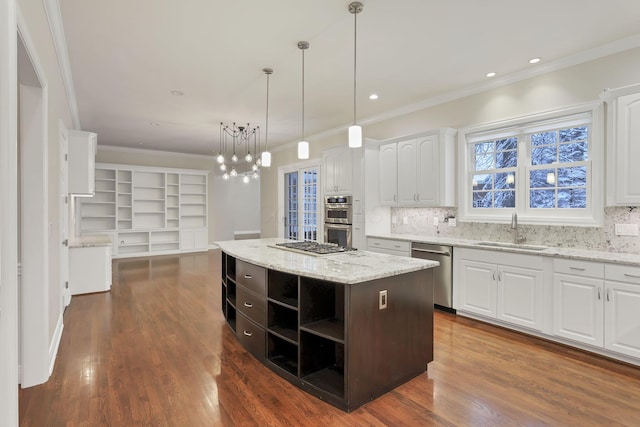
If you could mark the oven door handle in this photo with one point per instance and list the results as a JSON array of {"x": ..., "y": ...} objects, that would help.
[{"x": 338, "y": 226}]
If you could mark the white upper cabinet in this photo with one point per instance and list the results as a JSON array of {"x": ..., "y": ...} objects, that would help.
[
  {"x": 623, "y": 149},
  {"x": 424, "y": 167},
  {"x": 338, "y": 178},
  {"x": 82, "y": 162},
  {"x": 389, "y": 174}
]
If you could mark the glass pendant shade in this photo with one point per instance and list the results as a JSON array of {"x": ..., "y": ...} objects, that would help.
[
  {"x": 220, "y": 158},
  {"x": 225, "y": 176},
  {"x": 303, "y": 150},
  {"x": 245, "y": 179},
  {"x": 233, "y": 172},
  {"x": 223, "y": 167},
  {"x": 248, "y": 158},
  {"x": 234, "y": 158},
  {"x": 266, "y": 159},
  {"x": 355, "y": 136}
]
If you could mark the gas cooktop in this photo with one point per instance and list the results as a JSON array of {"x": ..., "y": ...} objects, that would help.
[{"x": 313, "y": 248}]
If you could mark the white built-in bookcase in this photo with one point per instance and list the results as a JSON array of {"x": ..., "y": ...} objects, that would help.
[{"x": 147, "y": 211}]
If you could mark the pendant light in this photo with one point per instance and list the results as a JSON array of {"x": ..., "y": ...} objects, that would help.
[
  {"x": 303, "y": 146},
  {"x": 355, "y": 131},
  {"x": 265, "y": 157}
]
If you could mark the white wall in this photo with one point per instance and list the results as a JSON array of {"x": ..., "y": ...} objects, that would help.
[
  {"x": 569, "y": 86},
  {"x": 237, "y": 207}
]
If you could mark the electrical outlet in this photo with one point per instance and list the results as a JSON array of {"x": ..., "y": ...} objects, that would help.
[
  {"x": 452, "y": 222},
  {"x": 436, "y": 220},
  {"x": 626, "y": 229},
  {"x": 382, "y": 300}
]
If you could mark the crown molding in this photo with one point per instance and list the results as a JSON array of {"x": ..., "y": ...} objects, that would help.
[
  {"x": 54, "y": 17},
  {"x": 154, "y": 152}
]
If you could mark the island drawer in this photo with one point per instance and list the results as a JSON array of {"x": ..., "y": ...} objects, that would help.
[
  {"x": 251, "y": 305},
  {"x": 252, "y": 277},
  {"x": 251, "y": 336}
]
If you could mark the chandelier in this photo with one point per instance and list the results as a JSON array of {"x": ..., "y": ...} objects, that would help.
[{"x": 232, "y": 139}]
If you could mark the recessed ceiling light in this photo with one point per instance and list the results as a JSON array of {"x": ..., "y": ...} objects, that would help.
[
  {"x": 154, "y": 124},
  {"x": 534, "y": 60},
  {"x": 491, "y": 74},
  {"x": 373, "y": 96},
  {"x": 177, "y": 93}
]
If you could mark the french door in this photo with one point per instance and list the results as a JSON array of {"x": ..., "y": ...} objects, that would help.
[{"x": 301, "y": 203}]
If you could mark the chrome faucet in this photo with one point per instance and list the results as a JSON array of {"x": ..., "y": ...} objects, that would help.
[{"x": 517, "y": 238}]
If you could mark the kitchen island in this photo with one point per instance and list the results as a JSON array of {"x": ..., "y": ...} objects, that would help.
[{"x": 344, "y": 327}]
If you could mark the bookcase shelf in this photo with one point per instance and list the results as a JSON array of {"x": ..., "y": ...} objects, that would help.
[{"x": 138, "y": 199}]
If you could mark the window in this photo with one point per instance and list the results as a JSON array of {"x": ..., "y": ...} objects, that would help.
[
  {"x": 540, "y": 167},
  {"x": 301, "y": 204}
]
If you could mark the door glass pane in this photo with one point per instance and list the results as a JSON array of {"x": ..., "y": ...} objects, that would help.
[
  {"x": 310, "y": 204},
  {"x": 291, "y": 205}
]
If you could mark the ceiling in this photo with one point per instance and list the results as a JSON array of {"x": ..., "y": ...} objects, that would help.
[{"x": 126, "y": 57}]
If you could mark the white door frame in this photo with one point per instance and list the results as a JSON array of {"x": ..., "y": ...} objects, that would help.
[
  {"x": 64, "y": 203},
  {"x": 8, "y": 216},
  {"x": 35, "y": 335}
]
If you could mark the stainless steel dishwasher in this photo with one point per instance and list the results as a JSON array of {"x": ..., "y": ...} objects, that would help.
[{"x": 442, "y": 275}]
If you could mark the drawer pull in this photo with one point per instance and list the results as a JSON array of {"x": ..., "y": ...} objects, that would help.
[
  {"x": 247, "y": 333},
  {"x": 248, "y": 304},
  {"x": 577, "y": 268},
  {"x": 248, "y": 276},
  {"x": 635, "y": 276}
]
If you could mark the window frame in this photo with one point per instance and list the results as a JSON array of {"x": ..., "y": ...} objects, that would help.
[{"x": 523, "y": 127}]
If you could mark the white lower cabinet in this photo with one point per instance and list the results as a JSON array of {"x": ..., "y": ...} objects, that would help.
[
  {"x": 598, "y": 304},
  {"x": 389, "y": 246},
  {"x": 510, "y": 291},
  {"x": 193, "y": 239},
  {"x": 89, "y": 269}
]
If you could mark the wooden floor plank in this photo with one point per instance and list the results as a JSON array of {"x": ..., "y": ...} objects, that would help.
[{"x": 155, "y": 351}]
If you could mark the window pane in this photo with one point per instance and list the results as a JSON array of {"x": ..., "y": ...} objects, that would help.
[
  {"x": 544, "y": 155},
  {"x": 482, "y": 199},
  {"x": 505, "y": 181},
  {"x": 572, "y": 177},
  {"x": 574, "y": 134},
  {"x": 485, "y": 161},
  {"x": 544, "y": 138},
  {"x": 542, "y": 199},
  {"x": 506, "y": 159},
  {"x": 485, "y": 147},
  {"x": 541, "y": 178},
  {"x": 507, "y": 144},
  {"x": 574, "y": 152},
  {"x": 505, "y": 199},
  {"x": 483, "y": 182},
  {"x": 572, "y": 198}
]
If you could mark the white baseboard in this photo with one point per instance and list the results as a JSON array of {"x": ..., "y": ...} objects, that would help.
[{"x": 55, "y": 344}]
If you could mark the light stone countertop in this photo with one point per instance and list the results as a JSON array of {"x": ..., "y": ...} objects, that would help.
[
  {"x": 91, "y": 241},
  {"x": 570, "y": 253},
  {"x": 346, "y": 268}
]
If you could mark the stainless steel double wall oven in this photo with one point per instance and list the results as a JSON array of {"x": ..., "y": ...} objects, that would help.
[{"x": 338, "y": 220}]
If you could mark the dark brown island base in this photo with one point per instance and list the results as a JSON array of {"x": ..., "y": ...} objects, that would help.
[{"x": 343, "y": 341}]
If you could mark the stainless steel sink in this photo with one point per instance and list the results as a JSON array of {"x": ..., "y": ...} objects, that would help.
[{"x": 512, "y": 246}]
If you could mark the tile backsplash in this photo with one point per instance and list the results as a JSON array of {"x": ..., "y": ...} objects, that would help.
[{"x": 420, "y": 221}]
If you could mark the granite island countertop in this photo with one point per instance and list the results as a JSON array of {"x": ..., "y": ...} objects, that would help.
[
  {"x": 346, "y": 268},
  {"x": 551, "y": 251}
]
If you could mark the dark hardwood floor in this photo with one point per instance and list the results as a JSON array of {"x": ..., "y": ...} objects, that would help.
[{"x": 155, "y": 351}]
